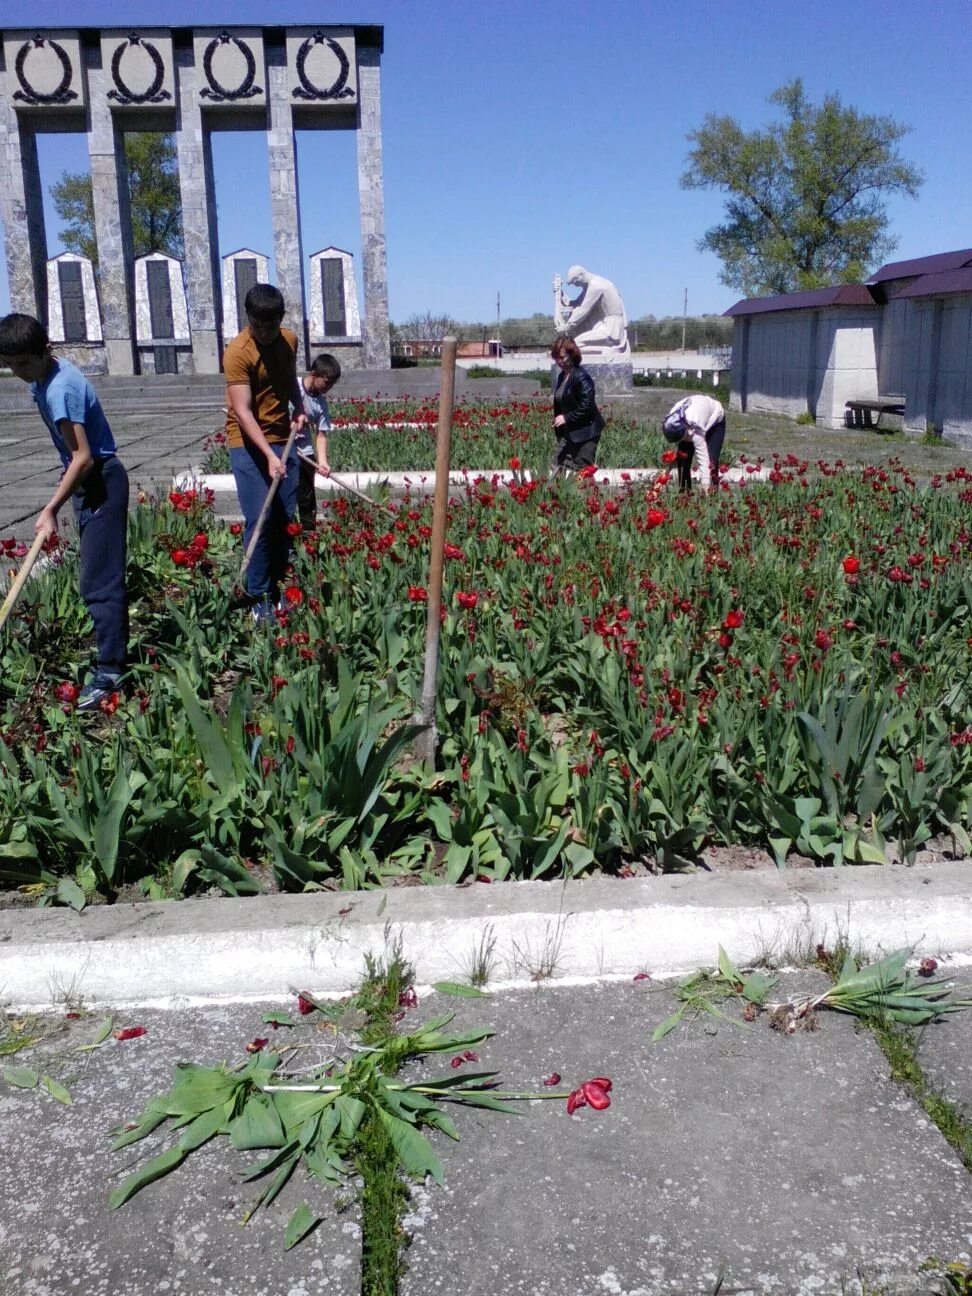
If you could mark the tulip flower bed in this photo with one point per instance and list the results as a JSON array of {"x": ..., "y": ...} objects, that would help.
[
  {"x": 376, "y": 436},
  {"x": 624, "y": 678}
]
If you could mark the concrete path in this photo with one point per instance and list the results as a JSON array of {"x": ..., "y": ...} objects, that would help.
[
  {"x": 783, "y": 1164},
  {"x": 789, "y": 1165}
]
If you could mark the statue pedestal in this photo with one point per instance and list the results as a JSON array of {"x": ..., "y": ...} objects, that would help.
[{"x": 610, "y": 368}]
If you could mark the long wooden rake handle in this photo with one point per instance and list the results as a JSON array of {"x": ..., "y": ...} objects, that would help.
[
  {"x": 345, "y": 485},
  {"x": 20, "y": 581},
  {"x": 267, "y": 505}
]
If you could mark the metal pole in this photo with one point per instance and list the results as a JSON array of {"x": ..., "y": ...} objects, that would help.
[
  {"x": 425, "y": 744},
  {"x": 684, "y": 314}
]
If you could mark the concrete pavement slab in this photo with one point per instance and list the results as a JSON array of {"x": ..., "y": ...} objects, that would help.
[
  {"x": 784, "y": 1164},
  {"x": 945, "y": 1049},
  {"x": 179, "y": 1235}
]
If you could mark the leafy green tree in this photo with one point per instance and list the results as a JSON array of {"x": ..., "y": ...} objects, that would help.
[
  {"x": 806, "y": 197},
  {"x": 153, "y": 180}
]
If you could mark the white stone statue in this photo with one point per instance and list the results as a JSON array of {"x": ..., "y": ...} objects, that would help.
[{"x": 596, "y": 320}]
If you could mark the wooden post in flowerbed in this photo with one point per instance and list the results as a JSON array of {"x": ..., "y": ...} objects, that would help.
[{"x": 426, "y": 741}]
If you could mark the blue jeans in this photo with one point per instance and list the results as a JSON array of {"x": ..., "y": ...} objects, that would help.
[
  {"x": 270, "y": 558},
  {"x": 101, "y": 513}
]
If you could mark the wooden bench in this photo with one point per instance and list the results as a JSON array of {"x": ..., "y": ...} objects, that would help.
[{"x": 867, "y": 413}]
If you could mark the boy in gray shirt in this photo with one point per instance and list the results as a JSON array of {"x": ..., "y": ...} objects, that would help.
[{"x": 320, "y": 378}]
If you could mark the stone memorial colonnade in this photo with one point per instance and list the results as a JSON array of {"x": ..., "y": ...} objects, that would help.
[{"x": 191, "y": 82}]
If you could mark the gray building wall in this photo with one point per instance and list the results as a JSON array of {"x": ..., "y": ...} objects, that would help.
[
  {"x": 939, "y": 375},
  {"x": 805, "y": 361},
  {"x": 893, "y": 346}
]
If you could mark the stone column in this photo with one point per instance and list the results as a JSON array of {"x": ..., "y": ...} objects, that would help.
[
  {"x": 376, "y": 350},
  {"x": 197, "y": 191},
  {"x": 284, "y": 206},
  {"x": 113, "y": 224},
  {"x": 22, "y": 211}
]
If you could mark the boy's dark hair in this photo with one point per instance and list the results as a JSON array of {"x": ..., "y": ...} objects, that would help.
[
  {"x": 22, "y": 335},
  {"x": 325, "y": 366},
  {"x": 265, "y": 303}
]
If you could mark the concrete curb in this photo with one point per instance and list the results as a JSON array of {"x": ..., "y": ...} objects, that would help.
[
  {"x": 604, "y": 929},
  {"x": 422, "y": 482}
]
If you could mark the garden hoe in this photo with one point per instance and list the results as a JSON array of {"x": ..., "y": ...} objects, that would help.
[
  {"x": 21, "y": 579},
  {"x": 345, "y": 485}
]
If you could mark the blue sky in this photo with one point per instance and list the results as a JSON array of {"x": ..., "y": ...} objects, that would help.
[{"x": 522, "y": 136}]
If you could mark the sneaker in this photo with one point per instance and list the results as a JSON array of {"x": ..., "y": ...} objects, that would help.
[
  {"x": 100, "y": 686},
  {"x": 262, "y": 612}
]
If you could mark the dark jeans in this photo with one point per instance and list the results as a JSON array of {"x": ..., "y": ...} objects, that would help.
[
  {"x": 306, "y": 495},
  {"x": 101, "y": 512},
  {"x": 270, "y": 558},
  {"x": 714, "y": 439},
  {"x": 574, "y": 454}
]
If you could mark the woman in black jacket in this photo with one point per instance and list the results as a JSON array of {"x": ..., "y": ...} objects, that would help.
[{"x": 577, "y": 420}]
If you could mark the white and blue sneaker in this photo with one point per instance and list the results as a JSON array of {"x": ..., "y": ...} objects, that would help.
[{"x": 100, "y": 684}]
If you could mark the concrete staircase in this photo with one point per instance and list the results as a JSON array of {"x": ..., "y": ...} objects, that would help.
[{"x": 191, "y": 393}]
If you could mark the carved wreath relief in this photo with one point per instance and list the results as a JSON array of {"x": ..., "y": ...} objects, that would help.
[
  {"x": 338, "y": 89},
  {"x": 214, "y": 88},
  {"x": 122, "y": 91},
  {"x": 28, "y": 92}
]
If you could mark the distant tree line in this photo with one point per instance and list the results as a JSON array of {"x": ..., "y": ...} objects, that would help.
[{"x": 537, "y": 331}]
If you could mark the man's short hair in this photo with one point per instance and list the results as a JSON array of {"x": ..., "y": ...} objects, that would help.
[
  {"x": 325, "y": 366},
  {"x": 265, "y": 303},
  {"x": 22, "y": 335}
]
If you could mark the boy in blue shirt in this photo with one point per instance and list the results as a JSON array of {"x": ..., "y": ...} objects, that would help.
[
  {"x": 320, "y": 378},
  {"x": 95, "y": 482}
]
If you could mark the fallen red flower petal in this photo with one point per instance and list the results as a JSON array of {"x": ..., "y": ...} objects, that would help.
[
  {"x": 408, "y": 998},
  {"x": 305, "y": 1005},
  {"x": 256, "y": 1045},
  {"x": 130, "y": 1032},
  {"x": 552, "y": 1080},
  {"x": 470, "y": 1056},
  {"x": 574, "y": 1100},
  {"x": 457, "y": 1061},
  {"x": 641, "y": 976},
  {"x": 596, "y": 1095},
  {"x": 928, "y": 967}
]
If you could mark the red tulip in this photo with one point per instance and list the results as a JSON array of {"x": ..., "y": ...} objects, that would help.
[
  {"x": 851, "y": 565},
  {"x": 418, "y": 594},
  {"x": 592, "y": 1093},
  {"x": 654, "y": 518}
]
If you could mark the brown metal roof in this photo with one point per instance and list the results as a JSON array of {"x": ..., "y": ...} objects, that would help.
[
  {"x": 813, "y": 299},
  {"x": 928, "y": 285},
  {"x": 926, "y": 265}
]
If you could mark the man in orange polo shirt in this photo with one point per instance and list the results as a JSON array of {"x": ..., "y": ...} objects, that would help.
[{"x": 260, "y": 366}]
